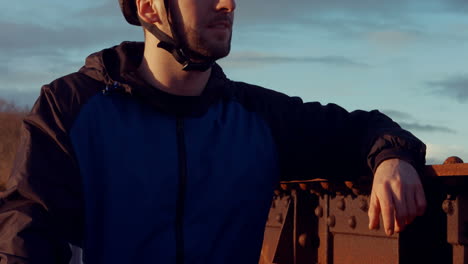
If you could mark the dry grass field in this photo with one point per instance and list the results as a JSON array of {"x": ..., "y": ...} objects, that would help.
[{"x": 10, "y": 122}]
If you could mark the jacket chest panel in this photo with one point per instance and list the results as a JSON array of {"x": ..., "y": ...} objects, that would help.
[{"x": 128, "y": 156}]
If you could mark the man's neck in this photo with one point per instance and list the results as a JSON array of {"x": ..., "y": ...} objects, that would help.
[{"x": 159, "y": 69}]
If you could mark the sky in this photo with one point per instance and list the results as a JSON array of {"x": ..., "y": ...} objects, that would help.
[{"x": 407, "y": 59}]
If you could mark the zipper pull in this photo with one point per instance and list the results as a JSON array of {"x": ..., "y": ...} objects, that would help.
[{"x": 110, "y": 88}]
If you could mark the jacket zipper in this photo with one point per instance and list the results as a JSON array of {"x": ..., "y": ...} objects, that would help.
[{"x": 179, "y": 225}]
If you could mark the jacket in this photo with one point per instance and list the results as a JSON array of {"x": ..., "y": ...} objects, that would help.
[{"x": 135, "y": 175}]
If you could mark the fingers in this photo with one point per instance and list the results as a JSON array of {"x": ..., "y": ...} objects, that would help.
[
  {"x": 387, "y": 207},
  {"x": 401, "y": 204},
  {"x": 374, "y": 212},
  {"x": 398, "y": 206},
  {"x": 411, "y": 207}
]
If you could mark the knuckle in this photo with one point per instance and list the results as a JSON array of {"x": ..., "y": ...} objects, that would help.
[{"x": 398, "y": 185}]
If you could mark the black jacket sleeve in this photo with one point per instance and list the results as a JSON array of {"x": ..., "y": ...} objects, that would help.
[
  {"x": 326, "y": 141},
  {"x": 41, "y": 208},
  {"x": 329, "y": 142}
]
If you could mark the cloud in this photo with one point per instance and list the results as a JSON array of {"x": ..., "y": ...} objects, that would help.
[
  {"x": 392, "y": 39},
  {"x": 407, "y": 121},
  {"x": 30, "y": 39},
  {"x": 276, "y": 10},
  {"x": 397, "y": 114},
  {"x": 455, "y": 87},
  {"x": 255, "y": 59},
  {"x": 107, "y": 9},
  {"x": 426, "y": 128},
  {"x": 460, "y": 6}
]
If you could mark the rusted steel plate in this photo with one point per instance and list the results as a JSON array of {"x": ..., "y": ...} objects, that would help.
[
  {"x": 364, "y": 249},
  {"x": 348, "y": 215},
  {"x": 447, "y": 170},
  {"x": 274, "y": 226}
]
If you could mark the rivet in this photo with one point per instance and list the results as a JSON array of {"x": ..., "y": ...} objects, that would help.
[
  {"x": 279, "y": 218},
  {"x": 363, "y": 205},
  {"x": 341, "y": 204},
  {"x": 453, "y": 160},
  {"x": 319, "y": 211},
  {"x": 325, "y": 185},
  {"x": 315, "y": 192},
  {"x": 303, "y": 240},
  {"x": 303, "y": 186},
  {"x": 356, "y": 191},
  {"x": 352, "y": 222},
  {"x": 277, "y": 193},
  {"x": 331, "y": 221},
  {"x": 349, "y": 184},
  {"x": 447, "y": 206}
]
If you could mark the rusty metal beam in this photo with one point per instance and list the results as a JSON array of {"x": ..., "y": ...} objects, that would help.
[{"x": 326, "y": 222}]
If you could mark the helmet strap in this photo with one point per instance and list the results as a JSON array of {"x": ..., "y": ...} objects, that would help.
[{"x": 174, "y": 47}]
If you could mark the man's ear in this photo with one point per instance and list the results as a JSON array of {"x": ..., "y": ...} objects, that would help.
[{"x": 147, "y": 10}]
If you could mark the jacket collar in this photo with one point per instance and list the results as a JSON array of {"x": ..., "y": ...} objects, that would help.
[{"x": 117, "y": 67}]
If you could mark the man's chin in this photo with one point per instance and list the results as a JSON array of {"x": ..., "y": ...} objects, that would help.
[{"x": 212, "y": 54}]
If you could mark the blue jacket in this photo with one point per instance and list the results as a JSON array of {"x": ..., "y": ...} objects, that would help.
[{"x": 135, "y": 175}]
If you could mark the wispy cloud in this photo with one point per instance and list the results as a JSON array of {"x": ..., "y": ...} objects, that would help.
[
  {"x": 397, "y": 114},
  {"x": 255, "y": 58},
  {"x": 455, "y": 87},
  {"x": 426, "y": 128},
  {"x": 407, "y": 121},
  {"x": 30, "y": 39}
]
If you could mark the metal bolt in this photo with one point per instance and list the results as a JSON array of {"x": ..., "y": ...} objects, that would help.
[
  {"x": 304, "y": 186},
  {"x": 453, "y": 160},
  {"x": 319, "y": 211},
  {"x": 277, "y": 193},
  {"x": 341, "y": 204},
  {"x": 349, "y": 184},
  {"x": 279, "y": 218},
  {"x": 331, "y": 221},
  {"x": 352, "y": 222},
  {"x": 356, "y": 191},
  {"x": 325, "y": 185},
  {"x": 363, "y": 205},
  {"x": 303, "y": 240},
  {"x": 447, "y": 206}
]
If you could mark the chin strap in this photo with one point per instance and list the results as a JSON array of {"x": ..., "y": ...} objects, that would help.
[{"x": 173, "y": 46}]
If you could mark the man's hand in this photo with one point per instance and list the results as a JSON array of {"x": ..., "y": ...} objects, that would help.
[{"x": 398, "y": 194}]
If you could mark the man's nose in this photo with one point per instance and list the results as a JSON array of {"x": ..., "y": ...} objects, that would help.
[{"x": 226, "y": 5}]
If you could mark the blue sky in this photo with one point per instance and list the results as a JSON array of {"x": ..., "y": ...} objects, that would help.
[{"x": 405, "y": 58}]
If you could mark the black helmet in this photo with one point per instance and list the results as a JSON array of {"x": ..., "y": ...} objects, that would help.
[
  {"x": 129, "y": 11},
  {"x": 173, "y": 45}
]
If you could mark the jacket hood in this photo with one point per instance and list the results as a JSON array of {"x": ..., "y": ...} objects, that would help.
[
  {"x": 116, "y": 67},
  {"x": 110, "y": 65}
]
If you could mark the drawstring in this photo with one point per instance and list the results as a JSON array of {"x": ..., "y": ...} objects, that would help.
[{"x": 111, "y": 88}]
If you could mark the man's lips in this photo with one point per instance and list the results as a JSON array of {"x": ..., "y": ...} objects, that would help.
[{"x": 221, "y": 23}]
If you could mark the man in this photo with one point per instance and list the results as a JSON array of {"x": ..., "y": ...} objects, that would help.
[{"x": 149, "y": 154}]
